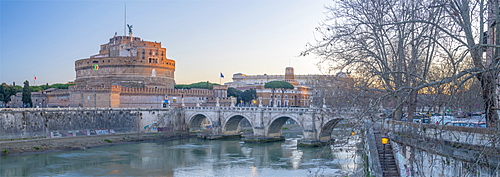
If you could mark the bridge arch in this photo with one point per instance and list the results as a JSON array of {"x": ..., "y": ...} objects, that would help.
[
  {"x": 327, "y": 130},
  {"x": 275, "y": 125},
  {"x": 232, "y": 124},
  {"x": 199, "y": 122}
]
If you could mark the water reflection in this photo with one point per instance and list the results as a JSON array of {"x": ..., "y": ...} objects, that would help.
[{"x": 190, "y": 157}]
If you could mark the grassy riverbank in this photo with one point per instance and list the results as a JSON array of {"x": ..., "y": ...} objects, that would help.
[{"x": 80, "y": 142}]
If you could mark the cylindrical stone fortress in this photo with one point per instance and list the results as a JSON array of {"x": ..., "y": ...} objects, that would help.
[{"x": 129, "y": 62}]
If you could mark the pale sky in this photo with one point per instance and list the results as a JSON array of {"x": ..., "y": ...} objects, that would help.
[{"x": 204, "y": 37}]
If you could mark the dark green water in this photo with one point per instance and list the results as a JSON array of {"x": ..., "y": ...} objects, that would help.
[{"x": 191, "y": 157}]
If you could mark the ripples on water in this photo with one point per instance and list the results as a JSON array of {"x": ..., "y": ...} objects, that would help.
[{"x": 191, "y": 157}]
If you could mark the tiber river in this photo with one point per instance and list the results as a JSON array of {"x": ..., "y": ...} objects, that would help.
[{"x": 193, "y": 157}]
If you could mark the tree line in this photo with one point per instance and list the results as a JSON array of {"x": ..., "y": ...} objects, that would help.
[{"x": 6, "y": 91}]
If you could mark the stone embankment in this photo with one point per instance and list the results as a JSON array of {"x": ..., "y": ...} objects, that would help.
[
  {"x": 33, "y": 130},
  {"x": 30, "y": 146}
]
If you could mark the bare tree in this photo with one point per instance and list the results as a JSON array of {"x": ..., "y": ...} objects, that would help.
[
  {"x": 374, "y": 42},
  {"x": 409, "y": 54},
  {"x": 402, "y": 47},
  {"x": 472, "y": 36}
]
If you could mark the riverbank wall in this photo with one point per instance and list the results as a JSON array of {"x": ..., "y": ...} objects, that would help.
[
  {"x": 439, "y": 150},
  {"x": 36, "y": 123}
]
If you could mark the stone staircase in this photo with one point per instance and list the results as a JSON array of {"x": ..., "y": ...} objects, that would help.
[{"x": 387, "y": 161}]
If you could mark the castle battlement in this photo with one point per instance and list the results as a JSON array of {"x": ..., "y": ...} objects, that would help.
[{"x": 179, "y": 92}]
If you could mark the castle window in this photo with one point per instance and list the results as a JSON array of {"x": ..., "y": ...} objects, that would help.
[
  {"x": 153, "y": 60},
  {"x": 95, "y": 62}
]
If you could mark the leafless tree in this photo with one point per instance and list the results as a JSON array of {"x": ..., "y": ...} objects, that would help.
[
  {"x": 408, "y": 54},
  {"x": 403, "y": 48}
]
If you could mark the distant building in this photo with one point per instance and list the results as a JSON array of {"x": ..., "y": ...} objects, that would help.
[
  {"x": 127, "y": 72},
  {"x": 309, "y": 89}
]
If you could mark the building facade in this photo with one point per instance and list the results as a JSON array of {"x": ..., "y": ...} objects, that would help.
[{"x": 309, "y": 90}]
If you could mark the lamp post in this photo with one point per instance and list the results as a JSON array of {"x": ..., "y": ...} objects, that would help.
[{"x": 385, "y": 140}]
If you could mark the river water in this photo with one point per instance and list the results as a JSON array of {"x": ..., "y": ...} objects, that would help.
[{"x": 193, "y": 157}]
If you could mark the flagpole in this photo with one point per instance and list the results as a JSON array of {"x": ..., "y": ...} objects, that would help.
[{"x": 220, "y": 78}]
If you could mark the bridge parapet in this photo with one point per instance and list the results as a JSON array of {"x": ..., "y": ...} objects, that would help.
[
  {"x": 271, "y": 109},
  {"x": 347, "y": 112}
]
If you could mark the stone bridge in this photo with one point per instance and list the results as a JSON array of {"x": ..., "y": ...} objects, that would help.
[{"x": 317, "y": 124}]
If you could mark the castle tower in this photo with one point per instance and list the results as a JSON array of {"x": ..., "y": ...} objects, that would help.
[
  {"x": 290, "y": 76},
  {"x": 127, "y": 61},
  {"x": 220, "y": 91}
]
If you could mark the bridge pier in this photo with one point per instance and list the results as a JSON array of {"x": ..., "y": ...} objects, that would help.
[
  {"x": 310, "y": 143},
  {"x": 259, "y": 131},
  {"x": 262, "y": 139},
  {"x": 310, "y": 139}
]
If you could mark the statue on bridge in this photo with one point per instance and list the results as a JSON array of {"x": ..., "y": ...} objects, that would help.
[
  {"x": 311, "y": 102},
  {"x": 233, "y": 101}
]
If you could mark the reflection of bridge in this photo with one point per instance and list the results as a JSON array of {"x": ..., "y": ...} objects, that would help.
[{"x": 317, "y": 125}]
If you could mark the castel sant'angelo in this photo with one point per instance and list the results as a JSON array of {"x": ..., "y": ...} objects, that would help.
[{"x": 128, "y": 72}]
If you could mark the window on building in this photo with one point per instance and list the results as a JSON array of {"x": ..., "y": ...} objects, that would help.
[{"x": 153, "y": 60}]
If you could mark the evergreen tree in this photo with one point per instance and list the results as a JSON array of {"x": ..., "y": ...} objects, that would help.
[
  {"x": 27, "y": 95},
  {"x": 199, "y": 85},
  {"x": 248, "y": 95},
  {"x": 5, "y": 92},
  {"x": 232, "y": 92},
  {"x": 2, "y": 94}
]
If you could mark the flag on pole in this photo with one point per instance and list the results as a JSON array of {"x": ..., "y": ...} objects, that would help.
[{"x": 221, "y": 75}]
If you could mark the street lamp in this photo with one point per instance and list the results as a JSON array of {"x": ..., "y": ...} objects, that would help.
[{"x": 385, "y": 140}]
